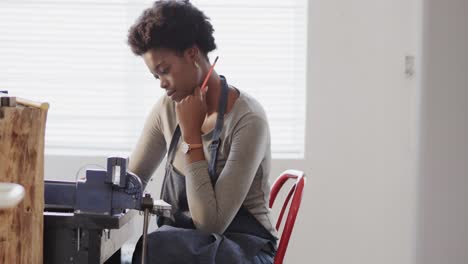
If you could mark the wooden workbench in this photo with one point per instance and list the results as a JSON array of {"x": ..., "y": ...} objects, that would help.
[{"x": 22, "y": 131}]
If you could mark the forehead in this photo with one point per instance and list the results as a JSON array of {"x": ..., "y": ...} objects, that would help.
[{"x": 154, "y": 57}]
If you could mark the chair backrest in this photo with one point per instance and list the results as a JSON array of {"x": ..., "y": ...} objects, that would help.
[{"x": 296, "y": 193}]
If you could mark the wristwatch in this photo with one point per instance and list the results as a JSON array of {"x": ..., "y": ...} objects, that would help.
[{"x": 186, "y": 148}]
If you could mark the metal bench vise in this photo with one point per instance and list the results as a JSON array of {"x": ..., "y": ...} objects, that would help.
[{"x": 88, "y": 221}]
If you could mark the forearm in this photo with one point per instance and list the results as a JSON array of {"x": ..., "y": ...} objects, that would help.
[
  {"x": 201, "y": 198},
  {"x": 214, "y": 206}
]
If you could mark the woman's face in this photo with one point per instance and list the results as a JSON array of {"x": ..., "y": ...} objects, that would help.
[{"x": 177, "y": 73}]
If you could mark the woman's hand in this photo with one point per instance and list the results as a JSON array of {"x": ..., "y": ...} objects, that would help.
[{"x": 191, "y": 112}]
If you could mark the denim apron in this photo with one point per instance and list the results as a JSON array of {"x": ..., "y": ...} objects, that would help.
[{"x": 178, "y": 241}]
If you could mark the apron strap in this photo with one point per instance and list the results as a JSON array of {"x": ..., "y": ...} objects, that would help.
[
  {"x": 173, "y": 145},
  {"x": 216, "y": 141}
]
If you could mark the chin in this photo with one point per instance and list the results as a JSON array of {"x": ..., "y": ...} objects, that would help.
[{"x": 176, "y": 99}]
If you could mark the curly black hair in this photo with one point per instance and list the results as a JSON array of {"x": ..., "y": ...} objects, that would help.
[{"x": 174, "y": 25}]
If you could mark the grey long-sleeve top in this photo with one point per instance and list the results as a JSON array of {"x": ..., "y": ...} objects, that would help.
[{"x": 243, "y": 164}]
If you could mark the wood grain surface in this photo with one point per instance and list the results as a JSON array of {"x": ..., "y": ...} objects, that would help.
[{"x": 22, "y": 131}]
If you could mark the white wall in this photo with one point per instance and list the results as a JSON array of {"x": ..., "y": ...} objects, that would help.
[
  {"x": 443, "y": 164},
  {"x": 359, "y": 204},
  {"x": 361, "y": 111}
]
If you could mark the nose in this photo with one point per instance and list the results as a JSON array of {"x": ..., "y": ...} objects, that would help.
[{"x": 163, "y": 83}]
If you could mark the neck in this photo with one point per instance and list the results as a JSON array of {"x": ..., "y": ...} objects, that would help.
[{"x": 212, "y": 95}]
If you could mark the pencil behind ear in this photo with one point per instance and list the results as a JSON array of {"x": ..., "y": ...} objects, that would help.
[{"x": 205, "y": 82}]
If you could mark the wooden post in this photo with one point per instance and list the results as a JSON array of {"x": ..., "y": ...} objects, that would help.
[{"x": 22, "y": 131}]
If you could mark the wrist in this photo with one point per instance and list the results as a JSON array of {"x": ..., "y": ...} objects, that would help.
[
  {"x": 193, "y": 139},
  {"x": 188, "y": 147}
]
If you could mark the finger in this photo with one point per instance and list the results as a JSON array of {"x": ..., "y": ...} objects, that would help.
[
  {"x": 205, "y": 89},
  {"x": 203, "y": 93},
  {"x": 197, "y": 90},
  {"x": 179, "y": 104}
]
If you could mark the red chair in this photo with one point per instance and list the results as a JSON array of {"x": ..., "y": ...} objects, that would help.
[{"x": 296, "y": 194}]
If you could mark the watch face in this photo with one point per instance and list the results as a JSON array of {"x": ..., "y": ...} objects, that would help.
[{"x": 184, "y": 147}]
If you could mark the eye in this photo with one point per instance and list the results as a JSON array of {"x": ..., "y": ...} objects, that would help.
[
  {"x": 156, "y": 76},
  {"x": 164, "y": 70}
]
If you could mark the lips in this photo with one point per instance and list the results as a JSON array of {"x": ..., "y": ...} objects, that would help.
[{"x": 170, "y": 92}]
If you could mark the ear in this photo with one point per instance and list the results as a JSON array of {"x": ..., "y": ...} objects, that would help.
[{"x": 192, "y": 53}]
